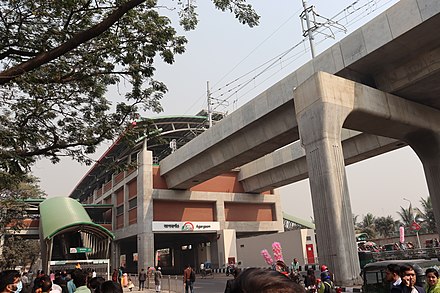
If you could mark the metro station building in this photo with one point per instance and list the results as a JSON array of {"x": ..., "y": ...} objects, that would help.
[{"x": 154, "y": 225}]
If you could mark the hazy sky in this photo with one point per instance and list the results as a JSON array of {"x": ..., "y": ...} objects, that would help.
[{"x": 221, "y": 50}]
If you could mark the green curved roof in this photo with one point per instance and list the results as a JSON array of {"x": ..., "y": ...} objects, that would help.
[{"x": 64, "y": 214}]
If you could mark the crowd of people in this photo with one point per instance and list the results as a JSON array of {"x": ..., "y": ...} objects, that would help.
[
  {"x": 75, "y": 281},
  {"x": 281, "y": 278},
  {"x": 403, "y": 279}
]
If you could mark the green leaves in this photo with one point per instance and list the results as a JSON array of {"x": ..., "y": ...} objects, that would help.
[
  {"x": 242, "y": 11},
  {"x": 57, "y": 61}
]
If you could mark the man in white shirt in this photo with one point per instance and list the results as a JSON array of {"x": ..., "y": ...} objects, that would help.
[{"x": 392, "y": 275}]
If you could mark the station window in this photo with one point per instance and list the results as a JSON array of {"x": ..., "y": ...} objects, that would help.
[
  {"x": 132, "y": 203},
  {"x": 119, "y": 210}
]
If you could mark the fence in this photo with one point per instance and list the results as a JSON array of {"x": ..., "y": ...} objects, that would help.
[{"x": 169, "y": 283}]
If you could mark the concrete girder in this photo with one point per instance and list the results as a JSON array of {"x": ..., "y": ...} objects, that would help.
[
  {"x": 235, "y": 146},
  {"x": 324, "y": 105},
  {"x": 288, "y": 165}
]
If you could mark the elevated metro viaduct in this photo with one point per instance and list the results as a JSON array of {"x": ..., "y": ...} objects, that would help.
[{"x": 381, "y": 83}]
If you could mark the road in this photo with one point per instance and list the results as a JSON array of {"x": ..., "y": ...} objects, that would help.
[
  {"x": 211, "y": 285},
  {"x": 215, "y": 284}
]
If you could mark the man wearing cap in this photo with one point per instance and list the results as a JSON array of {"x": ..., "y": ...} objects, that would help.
[
  {"x": 324, "y": 269},
  {"x": 157, "y": 279}
]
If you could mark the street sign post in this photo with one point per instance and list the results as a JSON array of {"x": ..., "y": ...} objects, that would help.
[{"x": 416, "y": 227}]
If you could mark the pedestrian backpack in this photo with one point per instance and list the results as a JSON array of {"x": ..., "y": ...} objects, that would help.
[
  {"x": 329, "y": 287},
  {"x": 192, "y": 276}
]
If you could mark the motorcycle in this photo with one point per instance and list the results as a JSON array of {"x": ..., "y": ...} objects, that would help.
[{"x": 230, "y": 269}]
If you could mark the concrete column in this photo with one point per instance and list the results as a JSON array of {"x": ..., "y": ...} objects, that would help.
[
  {"x": 320, "y": 122},
  {"x": 145, "y": 239},
  {"x": 116, "y": 253},
  {"x": 426, "y": 145},
  {"x": 220, "y": 212}
]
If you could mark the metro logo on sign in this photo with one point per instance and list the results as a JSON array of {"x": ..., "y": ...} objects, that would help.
[
  {"x": 415, "y": 226},
  {"x": 188, "y": 226}
]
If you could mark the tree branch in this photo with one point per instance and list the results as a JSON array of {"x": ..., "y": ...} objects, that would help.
[
  {"x": 12, "y": 51},
  {"x": 78, "y": 39}
]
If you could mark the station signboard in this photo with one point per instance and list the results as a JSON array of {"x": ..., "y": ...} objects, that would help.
[
  {"x": 80, "y": 249},
  {"x": 186, "y": 226}
]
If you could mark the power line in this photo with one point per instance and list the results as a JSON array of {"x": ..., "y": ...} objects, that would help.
[
  {"x": 353, "y": 10},
  {"x": 258, "y": 46}
]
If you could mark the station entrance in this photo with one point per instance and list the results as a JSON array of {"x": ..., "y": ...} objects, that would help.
[
  {"x": 69, "y": 238},
  {"x": 174, "y": 251}
]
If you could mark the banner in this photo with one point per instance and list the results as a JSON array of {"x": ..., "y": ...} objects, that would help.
[{"x": 402, "y": 234}]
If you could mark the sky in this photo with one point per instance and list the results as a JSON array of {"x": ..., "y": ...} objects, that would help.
[{"x": 240, "y": 62}]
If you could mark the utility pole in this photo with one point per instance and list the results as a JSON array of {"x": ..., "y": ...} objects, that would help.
[
  {"x": 208, "y": 94},
  {"x": 313, "y": 23},
  {"x": 308, "y": 31}
]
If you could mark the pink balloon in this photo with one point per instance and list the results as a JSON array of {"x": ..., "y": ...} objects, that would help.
[{"x": 402, "y": 234}]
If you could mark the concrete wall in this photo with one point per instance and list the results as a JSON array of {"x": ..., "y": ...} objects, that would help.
[{"x": 293, "y": 244}]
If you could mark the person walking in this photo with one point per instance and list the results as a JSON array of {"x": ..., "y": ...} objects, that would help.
[
  {"x": 157, "y": 279},
  {"x": 142, "y": 278},
  {"x": 26, "y": 282},
  {"x": 189, "y": 278},
  {"x": 295, "y": 265}
]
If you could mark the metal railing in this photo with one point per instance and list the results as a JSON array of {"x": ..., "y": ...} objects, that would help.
[{"x": 169, "y": 283}]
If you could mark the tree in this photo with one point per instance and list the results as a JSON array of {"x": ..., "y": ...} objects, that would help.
[
  {"x": 12, "y": 205},
  {"x": 427, "y": 215},
  {"x": 408, "y": 216},
  {"x": 19, "y": 252},
  {"x": 59, "y": 57},
  {"x": 385, "y": 226},
  {"x": 367, "y": 226}
]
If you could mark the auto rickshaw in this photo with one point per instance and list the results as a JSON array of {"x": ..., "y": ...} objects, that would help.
[{"x": 373, "y": 274}]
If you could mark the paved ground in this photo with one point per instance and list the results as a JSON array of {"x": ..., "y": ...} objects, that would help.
[{"x": 174, "y": 284}]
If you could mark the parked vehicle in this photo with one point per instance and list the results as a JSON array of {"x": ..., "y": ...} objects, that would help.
[
  {"x": 207, "y": 271},
  {"x": 373, "y": 274}
]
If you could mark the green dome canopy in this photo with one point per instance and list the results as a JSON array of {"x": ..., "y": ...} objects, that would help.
[{"x": 64, "y": 214}]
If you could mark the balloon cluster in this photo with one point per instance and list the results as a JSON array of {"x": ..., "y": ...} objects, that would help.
[{"x": 277, "y": 253}]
